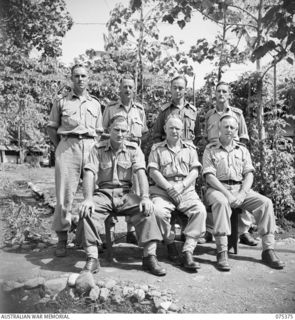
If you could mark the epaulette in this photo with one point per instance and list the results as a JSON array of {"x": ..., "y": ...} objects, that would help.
[
  {"x": 209, "y": 113},
  {"x": 237, "y": 110},
  {"x": 189, "y": 144},
  {"x": 211, "y": 145},
  {"x": 192, "y": 106},
  {"x": 102, "y": 144},
  {"x": 94, "y": 97},
  {"x": 165, "y": 106},
  {"x": 241, "y": 144},
  {"x": 158, "y": 144},
  {"x": 131, "y": 144},
  {"x": 139, "y": 105},
  {"x": 113, "y": 103}
]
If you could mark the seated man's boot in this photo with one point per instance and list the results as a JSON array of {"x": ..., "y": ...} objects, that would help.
[
  {"x": 131, "y": 237},
  {"x": 173, "y": 254},
  {"x": 222, "y": 261},
  {"x": 92, "y": 265},
  {"x": 151, "y": 264},
  {"x": 272, "y": 260},
  {"x": 61, "y": 248},
  {"x": 247, "y": 238},
  {"x": 188, "y": 261}
]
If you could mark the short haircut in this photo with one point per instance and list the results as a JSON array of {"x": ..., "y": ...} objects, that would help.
[
  {"x": 229, "y": 116},
  {"x": 174, "y": 116},
  {"x": 220, "y": 83},
  {"x": 127, "y": 76},
  {"x": 76, "y": 66},
  {"x": 177, "y": 78},
  {"x": 118, "y": 118}
]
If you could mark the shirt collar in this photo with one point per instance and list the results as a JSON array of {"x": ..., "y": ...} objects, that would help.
[
  {"x": 109, "y": 146},
  {"x": 73, "y": 94},
  {"x": 234, "y": 145},
  {"x": 186, "y": 103}
]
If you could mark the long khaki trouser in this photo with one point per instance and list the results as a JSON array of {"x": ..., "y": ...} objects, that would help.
[
  {"x": 71, "y": 156},
  {"x": 258, "y": 205}
]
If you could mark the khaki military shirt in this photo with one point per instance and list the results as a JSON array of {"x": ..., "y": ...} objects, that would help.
[
  {"x": 227, "y": 165},
  {"x": 212, "y": 124},
  {"x": 135, "y": 117},
  {"x": 172, "y": 164},
  {"x": 114, "y": 169},
  {"x": 74, "y": 115},
  {"x": 188, "y": 114}
]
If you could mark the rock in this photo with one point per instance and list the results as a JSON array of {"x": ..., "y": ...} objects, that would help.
[
  {"x": 100, "y": 283},
  {"x": 26, "y": 246},
  {"x": 110, "y": 284},
  {"x": 157, "y": 302},
  {"x": 10, "y": 285},
  {"x": 54, "y": 286},
  {"x": 34, "y": 283},
  {"x": 155, "y": 293},
  {"x": 144, "y": 287},
  {"x": 25, "y": 298},
  {"x": 165, "y": 305},
  {"x": 161, "y": 311},
  {"x": 173, "y": 307},
  {"x": 72, "y": 279},
  {"x": 104, "y": 294},
  {"x": 128, "y": 291},
  {"x": 117, "y": 299},
  {"x": 41, "y": 245},
  {"x": 94, "y": 293},
  {"x": 139, "y": 295},
  {"x": 85, "y": 282}
]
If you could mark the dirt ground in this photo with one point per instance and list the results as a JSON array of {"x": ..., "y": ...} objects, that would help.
[{"x": 250, "y": 286}]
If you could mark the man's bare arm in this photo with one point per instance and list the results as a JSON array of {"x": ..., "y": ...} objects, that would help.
[{"x": 54, "y": 137}]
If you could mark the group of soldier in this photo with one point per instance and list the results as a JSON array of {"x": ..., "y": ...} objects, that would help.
[{"x": 116, "y": 177}]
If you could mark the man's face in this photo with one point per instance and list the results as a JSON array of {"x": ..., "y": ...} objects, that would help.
[
  {"x": 222, "y": 93},
  {"x": 228, "y": 128},
  {"x": 178, "y": 89},
  {"x": 118, "y": 131},
  {"x": 80, "y": 78},
  {"x": 127, "y": 88},
  {"x": 173, "y": 129}
]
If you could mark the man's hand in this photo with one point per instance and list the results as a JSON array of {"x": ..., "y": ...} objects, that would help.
[
  {"x": 86, "y": 209},
  {"x": 231, "y": 199},
  {"x": 240, "y": 198},
  {"x": 146, "y": 206},
  {"x": 174, "y": 193}
]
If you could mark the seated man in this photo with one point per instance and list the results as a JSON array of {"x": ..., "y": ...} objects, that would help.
[
  {"x": 114, "y": 161},
  {"x": 174, "y": 167},
  {"x": 228, "y": 170}
]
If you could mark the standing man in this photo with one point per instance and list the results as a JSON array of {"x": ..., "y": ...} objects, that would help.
[
  {"x": 186, "y": 111},
  {"x": 212, "y": 134},
  {"x": 114, "y": 161},
  {"x": 74, "y": 123},
  {"x": 174, "y": 167},
  {"x": 136, "y": 118},
  {"x": 228, "y": 170}
]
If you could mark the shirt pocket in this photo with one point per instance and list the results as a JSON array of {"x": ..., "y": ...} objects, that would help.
[
  {"x": 221, "y": 164},
  {"x": 238, "y": 164},
  {"x": 69, "y": 118},
  {"x": 124, "y": 170},
  {"x": 136, "y": 128},
  {"x": 166, "y": 166},
  {"x": 184, "y": 164},
  {"x": 91, "y": 117}
]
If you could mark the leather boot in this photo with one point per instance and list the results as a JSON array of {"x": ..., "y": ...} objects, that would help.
[
  {"x": 247, "y": 239},
  {"x": 61, "y": 248},
  {"x": 92, "y": 265},
  {"x": 131, "y": 237},
  {"x": 272, "y": 260},
  {"x": 188, "y": 261},
  {"x": 222, "y": 261},
  {"x": 151, "y": 264},
  {"x": 173, "y": 254}
]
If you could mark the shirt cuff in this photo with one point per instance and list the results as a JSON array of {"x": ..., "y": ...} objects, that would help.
[
  {"x": 91, "y": 167},
  {"x": 208, "y": 170}
]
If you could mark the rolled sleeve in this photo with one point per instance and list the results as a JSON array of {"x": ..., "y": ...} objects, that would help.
[
  {"x": 195, "y": 163},
  {"x": 153, "y": 160},
  {"x": 248, "y": 166},
  {"x": 208, "y": 165},
  {"x": 138, "y": 161},
  {"x": 243, "y": 131},
  {"x": 55, "y": 116},
  {"x": 92, "y": 162}
]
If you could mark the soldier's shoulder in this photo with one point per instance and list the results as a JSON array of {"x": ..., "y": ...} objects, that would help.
[
  {"x": 138, "y": 105},
  {"x": 94, "y": 98},
  {"x": 113, "y": 104},
  {"x": 101, "y": 144},
  {"x": 241, "y": 144},
  {"x": 191, "y": 106},
  {"x": 165, "y": 106},
  {"x": 158, "y": 145},
  {"x": 189, "y": 144},
  {"x": 237, "y": 110},
  {"x": 209, "y": 113},
  {"x": 131, "y": 145},
  {"x": 212, "y": 145}
]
